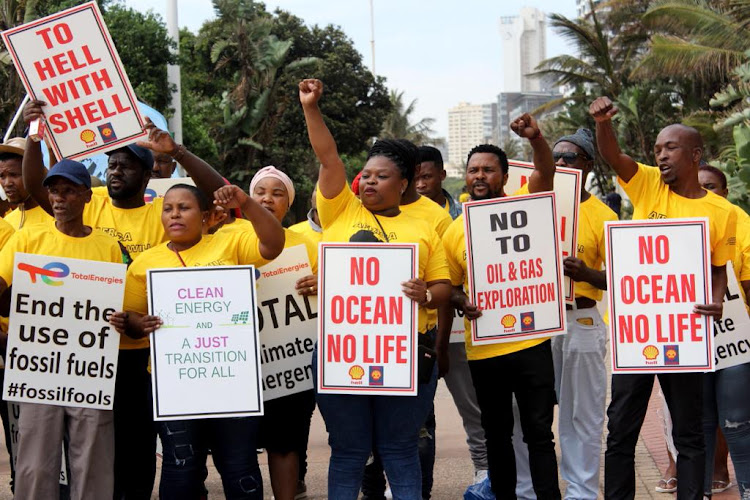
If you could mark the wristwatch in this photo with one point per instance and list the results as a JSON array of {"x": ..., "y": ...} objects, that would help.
[{"x": 428, "y": 297}]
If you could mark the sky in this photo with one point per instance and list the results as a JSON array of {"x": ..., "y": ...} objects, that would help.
[{"x": 440, "y": 52}]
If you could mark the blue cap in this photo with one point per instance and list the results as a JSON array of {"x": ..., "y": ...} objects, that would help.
[
  {"x": 142, "y": 154},
  {"x": 72, "y": 170}
]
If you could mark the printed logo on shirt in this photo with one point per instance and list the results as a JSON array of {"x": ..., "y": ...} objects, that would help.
[
  {"x": 651, "y": 352},
  {"x": 356, "y": 372},
  {"x": 376, "y": 375},
  {"x": 580, "y": 248},
  {"x": 49, "y": 271},
  {"x": 671, "y": 355},
  {"x": 656, "y": 215}
]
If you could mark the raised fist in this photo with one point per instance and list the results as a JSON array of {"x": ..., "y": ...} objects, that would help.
[
  {"x": 310, "y": 91},
  {"x": 602, "y": 109},
  {"x": 525, "y": 126}
]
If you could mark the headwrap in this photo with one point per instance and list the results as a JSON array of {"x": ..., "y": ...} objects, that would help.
[
  {"x": 355, "y": 184},
  {"x": 271, "y": 171},
  {"x": 583, "y": 138}
]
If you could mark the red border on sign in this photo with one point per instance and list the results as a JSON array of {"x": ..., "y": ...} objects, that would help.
[
  {"x": 570, "y": 291},
  {"x": 707, "y": 320},
  {"x": 49, "y": 136},
  {"x": 470, "y": 267},
  {"x": 414, "y": 247}
]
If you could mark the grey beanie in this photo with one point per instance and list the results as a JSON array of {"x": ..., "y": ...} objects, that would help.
[{"x": 583, "y": 138}]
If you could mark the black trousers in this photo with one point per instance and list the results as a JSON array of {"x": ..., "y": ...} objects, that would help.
[
  {"x": 135, "y": 433},
  {"x": 529, "y": 374},
  {"x": 630, "y": 395}
]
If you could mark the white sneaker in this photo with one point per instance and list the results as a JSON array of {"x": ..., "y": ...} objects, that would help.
[
  {"x": 480, "y": 476},
  {"x": 388, "y": 493}
]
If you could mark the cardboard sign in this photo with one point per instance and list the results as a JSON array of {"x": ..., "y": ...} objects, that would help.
[
  {"x": 205, "y": 361},
  {"x": 656, "y": 272},
  {"x": 287, "y": 323},
  {"x": 69, "y": 61},
  {"x": 367, "y": 338},
  {"x": 567, "y": 199},
  {"x": 514, "y": 268},
  {"x": 732, "y": 331},
  {"x": 158, "y": 187},
  {"x": 61, "y": 348}
]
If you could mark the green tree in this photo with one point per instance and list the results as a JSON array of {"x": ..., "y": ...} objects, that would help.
[{"x": 400, "y": 125}]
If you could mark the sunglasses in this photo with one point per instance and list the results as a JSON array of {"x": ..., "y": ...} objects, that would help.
[{"x": 568, "y": 157}]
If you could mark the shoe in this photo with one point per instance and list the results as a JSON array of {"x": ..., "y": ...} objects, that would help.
[
  {"x": 718, "y": 486},
  {"x": 301, "y": 491},
  {"x": 480, "y": 476},
  {"x": 388, "y": 493},
  {"x": 667, "y": 485}
]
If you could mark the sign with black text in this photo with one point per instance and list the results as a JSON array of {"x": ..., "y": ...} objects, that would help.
[
  {"x": 205, "y": 360},
  {"x": 732, "y": 331},
  {"x": 367, "y": 338},
  {"x": 61, "y": 348},
  {"x": 514, "y": 268},
  {"x": 656, "y": 272}
]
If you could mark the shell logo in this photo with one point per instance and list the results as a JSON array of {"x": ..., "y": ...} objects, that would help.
[
  {"x": 650, "y": 352},
  {"x": 356, "y": 372},
  {"x": 671, "y": 354},
  {"x": 106, "y": 132},
  {"x": 376, "y": 374},
  {"x": 88, "y": 136},
  {"x": 527, "y": 320},
  {"x": 508, "y": 321}
]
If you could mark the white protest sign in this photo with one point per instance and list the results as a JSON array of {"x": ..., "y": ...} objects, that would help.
[
  {"x": 287, "y": 323},
  {"x": 61, "y": 348},
  {"x": 367, "y": 339},
  {"x": 158, "y": 187},
  {"x": 732, "y": 331},
  {"x": 205, "y": 361},
  {"x": 69, "y": 61},
  {"x": 567, "y": 200},
  {"x": 656, "y": 272},
  {"x": 458, "y": 328},
  {"x": 514, "y": 268},
  {"x": 14, "y": 414}
]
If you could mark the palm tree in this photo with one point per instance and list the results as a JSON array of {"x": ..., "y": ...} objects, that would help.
[{"x": 398, "y": 124}]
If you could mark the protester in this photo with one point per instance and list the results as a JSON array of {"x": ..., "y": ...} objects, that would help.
[
  {"x": 458, "y": 378},
  {"x": 357, "y": 424},
  {"x": 524, "y": 367},
  {"x": 42, "y": 426},
  {"x": 27, "y": 210},
  {"x": 119, "y": 210},
  {"x": 670, "y": 191},
  {"x": 232, "y": 441},
  {"x": 164, "y": 166},
  {"x": 310, "y": 227},
  {"x": 723, "y": 405},
  {"x": 285, "y": 425}
]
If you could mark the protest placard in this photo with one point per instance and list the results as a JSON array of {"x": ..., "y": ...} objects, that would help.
[
  {"x": 514, "y": 268},
  {"x": 367, "y": 338},
  {"x": 458, "y": 328},
  {"x": 205, "y": 361},
  {"x": 61, "y": 348},
  {"x": 69, "y": 61},
  {"x": 158, "y": 187},
  {"x": 732, "y": 331},
  {"x": 288, "y": 325},
  {"x": 656, "y": 272},
  {"x": 567, "y": 200}
]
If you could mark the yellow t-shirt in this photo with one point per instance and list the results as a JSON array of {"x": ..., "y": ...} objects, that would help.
[
  {"x": 19, "y": 218},
  {"x": 455, "y": 251},
  {"x": 427, "y": 210},
  {"x": 741, "y": 261},
  {"x": 344, "y": 216},
  {"x": 237, "y": 225},
  {"x": 305, "y": 228},
  {"x": 138, "y": 229},
  {"x": 652, "y": 199},
  {"x": 220, "y": 249},
  {"x": 6, "y": 231},
  {"x": 592, "y": 215},
  {"x": 293, "y": 239},
  {"x": 45, "y": 239}
]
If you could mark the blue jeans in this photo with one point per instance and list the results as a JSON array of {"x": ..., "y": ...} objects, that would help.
[
  {"x": 232, "y": 442},
  {"x": 726, "y": 404},
  {"x": 390, "y": 424}
]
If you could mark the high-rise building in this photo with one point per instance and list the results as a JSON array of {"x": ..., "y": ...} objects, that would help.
[
  {"x": 510, "y": 105},
  {"x": 524, "y": 47},
  {"x": 469, "y": 125},
  {"x": 583, "y": 7}
]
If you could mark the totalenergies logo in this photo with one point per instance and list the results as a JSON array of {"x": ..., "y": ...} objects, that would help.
[
  {"x": 356, "y": 372},
  {"x": 650, "y": 352},
  {"x": 149, "y": 195},
  {"x": 51, "y": 270}
]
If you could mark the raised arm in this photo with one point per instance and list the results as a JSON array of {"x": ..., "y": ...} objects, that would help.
[
  {"x": 33, "y": 165},
  {"x": 332, "y": 176},
  {"x": 602, "y": 110},
  {"x": 205, "y": 177},
  {"x": 267, "y": 227},
  {"x": 543, "y": 176}
]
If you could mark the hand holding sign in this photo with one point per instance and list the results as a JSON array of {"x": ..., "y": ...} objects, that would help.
[
  {"x": 308, "y": 285},
  {"x": 159, "y": 141},
  {"x": 714, "y": 309},
  {"x": 33, "y": 111},
  {"x": 416, "y": 290}
]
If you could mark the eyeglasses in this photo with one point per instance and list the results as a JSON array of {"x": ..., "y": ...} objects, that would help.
[{"x": 568, "y": 157}]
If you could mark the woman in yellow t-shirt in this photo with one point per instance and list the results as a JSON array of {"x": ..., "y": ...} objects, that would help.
[
  {"x": 357, "y": 423},
  {"x": 186, "y": 442}
]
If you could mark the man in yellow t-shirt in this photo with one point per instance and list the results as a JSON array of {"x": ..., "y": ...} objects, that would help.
[
  {"x": 42, "y": 426},
  {"x": 120, "y": 211},
  {"x": 310, "y": 227},
  {"x": 523, "y": 368},
  {"x": 670, "y": 190},
  {"x": 27, "y": 210}
]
